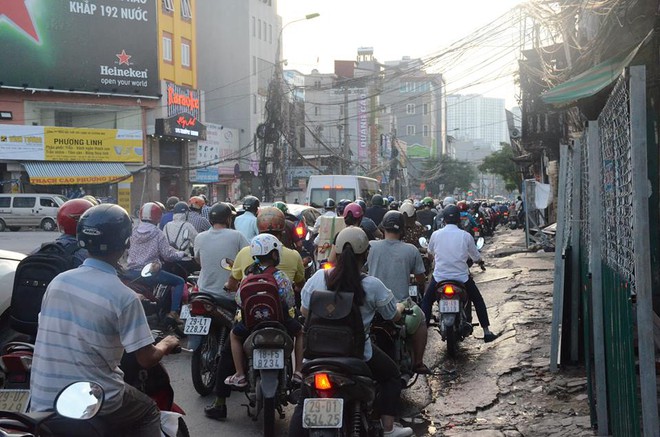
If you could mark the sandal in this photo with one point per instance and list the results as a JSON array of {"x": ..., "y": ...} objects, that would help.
[
  {"x": 297, "y": 378},
  {"x": 422, "y": 369},
  {"x": 236, "y": 381}
]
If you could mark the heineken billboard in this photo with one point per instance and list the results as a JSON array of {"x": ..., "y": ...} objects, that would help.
[{"x": 95, "y": 46}]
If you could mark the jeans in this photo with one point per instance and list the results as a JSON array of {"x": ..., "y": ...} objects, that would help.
[
  {"x": 165, "y": 278},
  {"x": 473, "y": 293},
  {"x": 384, "y": 371}
]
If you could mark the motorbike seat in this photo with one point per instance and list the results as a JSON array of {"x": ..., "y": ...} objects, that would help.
[{"x": 352, "y": 366}]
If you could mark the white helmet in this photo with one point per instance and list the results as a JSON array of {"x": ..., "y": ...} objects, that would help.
[
  {"x": 448, "y": 201},
  {"x": 353, "y": 236},
  {"x": 407, "y": 209},
  {"x": 263, "y": 244}
]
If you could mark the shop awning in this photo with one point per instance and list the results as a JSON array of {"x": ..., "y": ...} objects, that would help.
[
  {"x": 74, "y": 173},
  {"x": 593, "y": 80}
]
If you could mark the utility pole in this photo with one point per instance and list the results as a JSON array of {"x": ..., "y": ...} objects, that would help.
[{"x": 346, "y": 149}]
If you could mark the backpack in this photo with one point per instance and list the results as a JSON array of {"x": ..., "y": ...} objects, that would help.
[
  {"x": 334, "y": 326},
  {"x": 32, "y": 277},
  {"x": 260, "y": 298}
]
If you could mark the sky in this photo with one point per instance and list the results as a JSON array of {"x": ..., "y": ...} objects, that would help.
[{"x": 394, "y": 28}]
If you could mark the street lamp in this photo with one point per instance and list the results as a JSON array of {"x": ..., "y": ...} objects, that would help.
[{"x": 274, "y": 119}]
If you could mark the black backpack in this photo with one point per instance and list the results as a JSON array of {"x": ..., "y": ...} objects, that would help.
[
  {"x": 33, "y": 275},
  {"x": 334, "y": 326}
]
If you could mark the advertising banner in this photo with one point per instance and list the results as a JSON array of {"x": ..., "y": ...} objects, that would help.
[
  {"x": 100, "y": 46},
  {"x": 363, "y": 127},
  {"x": 219, "y": 150},
  {"x": 39, "y": 143},
  {"x": 184, "y": 125}
]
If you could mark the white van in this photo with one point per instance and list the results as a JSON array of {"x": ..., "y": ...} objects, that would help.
[
  {"x": 34, "y": 210},
  {"x": 338, "y": 187}
]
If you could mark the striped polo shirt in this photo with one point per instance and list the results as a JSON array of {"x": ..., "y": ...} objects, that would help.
[{"x": 88, "y": 317}]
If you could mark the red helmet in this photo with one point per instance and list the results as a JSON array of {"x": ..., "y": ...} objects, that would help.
[
  {"x": 151, "y": 212},
  {"x": 270, "y": 219},
  {"x": 462, "y": 205},
  {"x": 69, "y": 213},
  {"x": 196, "y": 203},
  {"x": 353, "y": 209}
]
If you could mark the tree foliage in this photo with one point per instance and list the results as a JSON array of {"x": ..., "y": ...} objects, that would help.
[
  {"x": 450, "y": 174},
  {"x": 501, "y": 163}
]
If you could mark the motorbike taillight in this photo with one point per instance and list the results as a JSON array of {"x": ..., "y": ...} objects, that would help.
[
  {"x": 322, "y": 381},
  {"x": 448, "y": 290},
  {"x": 326, "y": 265},
  {"x": 200, "y": 307},
  {"x": 301, "y": 231}
]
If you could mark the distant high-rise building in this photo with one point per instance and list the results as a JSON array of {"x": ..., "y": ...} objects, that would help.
[{"x": 477, "y": 119}]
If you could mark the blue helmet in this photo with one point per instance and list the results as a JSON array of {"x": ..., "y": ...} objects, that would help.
[{"x": 104, "y": 229}]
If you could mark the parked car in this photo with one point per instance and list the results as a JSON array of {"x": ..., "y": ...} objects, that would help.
[
  {"x": 34, "y": 209},
  {"x": 8, "y": 263}
]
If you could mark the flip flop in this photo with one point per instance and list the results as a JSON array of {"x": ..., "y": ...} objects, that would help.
[
  {"x": 236, "y": 381},
  {"x": 422, "y": 369},
  {"x": 297, "y": 378}
]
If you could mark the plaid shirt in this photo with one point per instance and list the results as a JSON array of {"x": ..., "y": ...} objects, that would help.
[{"x": 198, "y": 221}]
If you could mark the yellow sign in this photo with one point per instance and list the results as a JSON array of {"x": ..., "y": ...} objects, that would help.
[
  {"x": 92, "y": 145},
  {"x": 124, "y": 196}
]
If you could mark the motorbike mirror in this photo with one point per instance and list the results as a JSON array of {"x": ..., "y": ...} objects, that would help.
[
  {"x": 423, "y": 242},
  {"x": 427, "y": 227},
  {"x": 80, "y": 400},
  {"x": 480, "y": 243},
  {"x": 149, "y": 270},
  {"x": 227, "y": 263}
]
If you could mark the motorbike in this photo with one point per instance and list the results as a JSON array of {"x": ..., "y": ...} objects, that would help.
[
  {"x": 340, "y": 402},
  {"x": 454, "y": 311},
  {"x": 208, "y": 321},
  {"x": 392, "y": 338}
]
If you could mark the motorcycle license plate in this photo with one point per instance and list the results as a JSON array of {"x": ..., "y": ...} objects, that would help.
[
  {"x": 412, "y": 290},
  {"x": 323, "y": 413},
  {"x": 264, "y": 359},
  {"x": 197, "y": 326},
  {"x": 185, "y": 312},
  {"x": 449, "y": 305},
  {"x": 16, "y": 401}
]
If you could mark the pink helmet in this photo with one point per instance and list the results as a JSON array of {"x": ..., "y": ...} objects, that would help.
[{"x": 354, "y": 210}]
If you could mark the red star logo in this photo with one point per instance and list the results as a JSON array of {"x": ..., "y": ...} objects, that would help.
[
  {"x": 16, "y": 13},
  {"x": 123, "y": 57}
]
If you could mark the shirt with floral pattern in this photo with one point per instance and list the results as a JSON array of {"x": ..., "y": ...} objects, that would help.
[{"x": 413, "y": 234}]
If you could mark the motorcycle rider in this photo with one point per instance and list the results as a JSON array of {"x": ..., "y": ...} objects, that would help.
[
  {"x": 371, "y": 296},
  {"x": 88, "y": 318},
  {"x": 174, "y": 230},
  {"x": 452, "y": 247},
  {"x": 414, "y": 229},
  {"x": 289, "y": 238},
  {"x": 170, "y": 203},
  {"x": 266, "y": 251},
  {"x": 195, "y": 217},
  {"x": 206, "y": 209},
  {"x": 426, "y": 215},
  {"x": 393, "y": 261},
  {"x": 377, "y": 209},
  {"x": 148, "y": 244},
  {"x": 246, "y": 223},
  {"x": 367, "y": 225}
]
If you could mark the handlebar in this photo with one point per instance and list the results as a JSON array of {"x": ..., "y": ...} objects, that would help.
[{"x": 407, "y": 312}]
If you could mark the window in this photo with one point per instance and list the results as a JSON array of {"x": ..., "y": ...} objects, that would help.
[
  {"x": 47, "y": 202},
  {"x": 185, "y": 52},
  {"x": 410, "y": 129},
  {"x": 24, "y": 202},
  {"x": 316, "y": 110},
  {"x": 270, "y": 33},
  {"x": 186, "y": 10},
  {"x": 5, "y": 202},
  {"x": 410, "y": 108},
  {"x": 168, "y": 6},
  {"x": 254, "y": 65},
  {"x": 259, "y": 29},
  {"x": 265, "y": 37},
  {"x": 167, "y": 47},
  {"x": 254, "y": 103},
  {"x": 425, "y": 130},
  {"x": 426, "y": 109},
  {"x": 254, "y": 27}
]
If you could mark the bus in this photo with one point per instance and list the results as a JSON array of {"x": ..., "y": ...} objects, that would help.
[{"x": 338, "y": 187}]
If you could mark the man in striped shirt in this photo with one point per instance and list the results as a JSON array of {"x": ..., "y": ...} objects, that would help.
[{"x": 88, "y": 318}]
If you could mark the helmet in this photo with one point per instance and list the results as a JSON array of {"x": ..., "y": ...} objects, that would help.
[
  {"x": 160, "y": 205},
  {"x": 204, "y": 198},
  {"x": 281, "y": 206},
  {"x": 386, "y": 202},
  {"x": 394, "y": 205},
  {"x": 377, "y": 200},
  {"x": 91, "y": 199},
  {"x": 362, "y": 204},
  {"x": 263, "y": 244},
  {"x": 196, "y": 203},
  {"x": 171, "y": 202},
  {"x": 69, "y": 213},
  {"x": 329, "y": 203},
  {"x": 451, "y": 214},
  {"x": 390, "y": 199},
  {"x": 354, "y": 210},
  {"x": 180, "y": 208},
  {"x": 353, "y": 236},
  {"x": 393, "y": 221},
  {"x": 448, "y": 201},
  {"x": 270, "y": 219},
  {"x": 408, "y": 201},
  {"x": 417, "y": 204},
  {"x": 427, "y": 201},
  {"x": 341, "y": 205},
  {"x": 462, "y": 205},
  {"x": 220, "y": 213},
  {"x": 251, "y": 203},
  {"x": 151, "y": 212},
  {"x": 408, "y": 209},
  {"x": 104, "y": 229}
]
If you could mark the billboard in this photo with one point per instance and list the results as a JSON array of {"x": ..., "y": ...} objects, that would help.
[
  {"x": 220, "y": 150},
  {"x": 94, "y": 46},
  {"x": 39, "y": 143}
]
